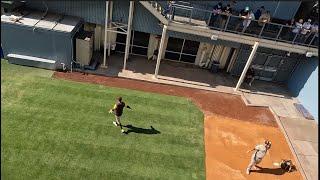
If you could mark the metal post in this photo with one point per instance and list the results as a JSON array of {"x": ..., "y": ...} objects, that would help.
[
  {"x": 244, "y": 72},
  {"x": 105, "y": 35},
  {"x": 295, "y": 38},
  {"x": 128, "y": 34},
  {"x": 264, "y": 24},
  {"x": 110, "y": 17},
  {"x": 279, "y": 32},
  {"x": 312, "y": 39},
  {"x": 190, "y": 16},
  {"x": 163, "y": 37},
  {"x": 226, "y": 25}
]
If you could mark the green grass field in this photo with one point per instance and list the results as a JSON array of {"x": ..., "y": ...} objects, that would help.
[{"x": 57, "y": 129}]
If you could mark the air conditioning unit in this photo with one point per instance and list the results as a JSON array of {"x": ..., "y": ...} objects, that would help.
[{"x": 84, "y": 45}]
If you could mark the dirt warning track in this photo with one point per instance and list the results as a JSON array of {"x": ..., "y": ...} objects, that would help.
[{"x": 231, "y": 128}]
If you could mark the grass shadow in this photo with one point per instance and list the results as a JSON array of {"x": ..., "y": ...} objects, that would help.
[{"x": 133, "y": 129}]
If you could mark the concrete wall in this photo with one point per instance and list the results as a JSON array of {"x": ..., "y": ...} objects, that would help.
[{"x": 303, "y": 84}]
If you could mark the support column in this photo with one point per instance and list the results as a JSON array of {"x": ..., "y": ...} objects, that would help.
[
  {"x": 105, "y": 35},
  {"x": 126, "y": 55},
  {"x": 163, "y": 37},
  {"x": 244, "y": 72},
  {"x": 110, "y": 17}
]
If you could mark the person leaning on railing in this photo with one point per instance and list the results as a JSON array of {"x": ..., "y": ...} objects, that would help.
[
  {"x": 306, "y": 28},
  {"x": 259, "y": 12},
  {"x": 264, "y": 18},
  {"x": 169, "y": 9},
  {"x": 244, "y": 13},
  {"x": 313, "y": 34},
  {"x": 226, "y": 12},
  {"x": 247, "y": 20},
  {"x": 297, "y": 29},
  {"x": 217, "y": 9}
]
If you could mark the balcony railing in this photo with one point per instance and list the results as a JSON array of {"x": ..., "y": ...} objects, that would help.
[{"x": 235, "y": 24}]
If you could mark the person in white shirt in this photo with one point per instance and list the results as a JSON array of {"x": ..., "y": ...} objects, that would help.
[
  {"x": 297, "y": 28},
  {"x": 314, "y": 31},
  {"x": 306, "y": 26},
  {"x": 259, "y": 153},
  {"x": 247, "y": 21}
]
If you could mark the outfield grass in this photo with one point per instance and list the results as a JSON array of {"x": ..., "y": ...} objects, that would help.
[{"x": 56, "y": 129}]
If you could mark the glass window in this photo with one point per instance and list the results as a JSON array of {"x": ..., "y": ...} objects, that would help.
[
  {"x": 139, "y": 50},
  {"x": 120, "y": 47},
  {"x": 191, "y": 47},
  {"x": 141, "y": 39},
  {"x": 172, "y": 56},
  {"x": 122, "y": 37},
  {"x": 174, "y": 44},
  {"x": 188, "y": 58}
]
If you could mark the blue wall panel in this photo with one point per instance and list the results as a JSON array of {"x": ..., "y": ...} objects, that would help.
[
  {"x": 303, "y": 84},
  {"x": 46, "y": 44}
]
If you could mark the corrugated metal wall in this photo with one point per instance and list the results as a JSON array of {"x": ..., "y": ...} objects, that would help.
[
  {"x": 46, "y": 44},
  {"x": 90, "y": 11}
]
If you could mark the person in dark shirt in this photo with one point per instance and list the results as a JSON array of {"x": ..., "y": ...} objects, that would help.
[
  {"x": 250, "y": 76},
  {"x": 217, "y": 9},
  {"x": 155, "y": 54},
  {"x": 243, "y": 15},
  {"x": 260, "y": 11},
  {"x": 117, "y": 110},
  {"x": 226, "y": 12}
]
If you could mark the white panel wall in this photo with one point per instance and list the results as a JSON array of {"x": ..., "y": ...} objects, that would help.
[{"x": 153, "y": 44}]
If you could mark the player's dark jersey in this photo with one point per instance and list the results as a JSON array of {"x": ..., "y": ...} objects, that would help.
[{"x": 118, "y": 108}]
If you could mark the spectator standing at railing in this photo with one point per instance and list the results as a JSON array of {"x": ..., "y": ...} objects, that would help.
[
  {"x": 259, "y": 12},
  {"x": 217, "y": 9},
  {"x": 314, "y": 32},
  {"x": 297, "y": 29},
  {"x": 248, "y": 20},
  {"x": 169, "y": 9},
  {"x": 264, "y": 18},
  {"x": 226, "y": 12},
  {"x": 306, "y": 27},
  {"x": 243, "y": 14}
]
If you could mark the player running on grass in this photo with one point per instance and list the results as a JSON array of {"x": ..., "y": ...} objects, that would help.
[
  {"x": 259, "y": 152},
  {"x": 117, "y": 111}
]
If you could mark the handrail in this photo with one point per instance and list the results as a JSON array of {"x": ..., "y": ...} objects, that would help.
[
  {"x": 279, "y": 27},
  {"x": 263, "y": 33}
]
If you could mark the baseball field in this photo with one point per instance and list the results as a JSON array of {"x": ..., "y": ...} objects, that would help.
[{"x": 58, "y": 127}]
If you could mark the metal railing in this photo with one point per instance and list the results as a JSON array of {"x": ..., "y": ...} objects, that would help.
[{"x": 236, "y": 24}]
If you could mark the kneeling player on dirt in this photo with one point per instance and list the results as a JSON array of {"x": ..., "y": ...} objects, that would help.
[
  {"x": 259, "y": 152},
  {"x": 117, "y": 110}
]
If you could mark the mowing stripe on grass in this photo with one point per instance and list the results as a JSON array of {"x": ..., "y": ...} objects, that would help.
[{"x": 57, "y": 129}]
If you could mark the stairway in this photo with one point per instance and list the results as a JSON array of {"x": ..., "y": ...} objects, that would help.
[{"x": 156, "y": 9}]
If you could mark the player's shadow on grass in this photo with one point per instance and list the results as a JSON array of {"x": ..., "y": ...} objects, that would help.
[
  {"x": 133, "y": 129},
  {"x": 274, "y": 171}
]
